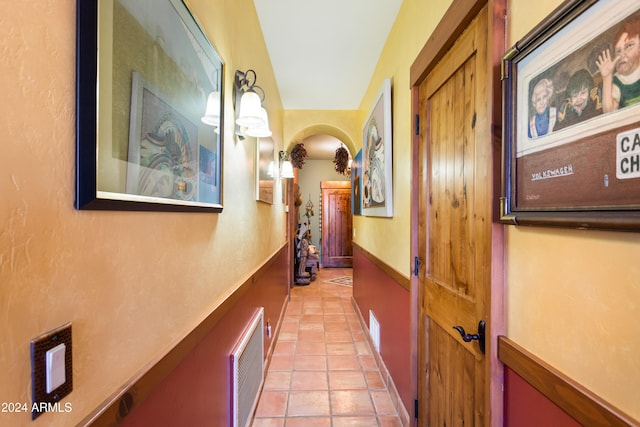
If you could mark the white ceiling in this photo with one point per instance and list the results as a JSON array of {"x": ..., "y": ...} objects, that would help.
[{"x": 323, "y": 52}]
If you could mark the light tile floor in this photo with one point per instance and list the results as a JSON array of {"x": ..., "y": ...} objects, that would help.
[{"x": 322, "y": 371}]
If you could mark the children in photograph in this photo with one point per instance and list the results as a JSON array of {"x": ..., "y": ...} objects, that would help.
[
  {"x": 544, "y": 119},
  {"x": 621, "y": 74},
  {"x": 582, "y": 101}
]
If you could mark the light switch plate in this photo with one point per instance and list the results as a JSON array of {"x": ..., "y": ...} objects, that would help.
[
  {"x": 51, "y": 352},
  {"x": 54, "y": 367}
]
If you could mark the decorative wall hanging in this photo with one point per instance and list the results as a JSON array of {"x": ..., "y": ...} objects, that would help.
[
  {"x": 297, "y": 155},
  {"x": 571, "y": 128},
  {"x": 377, "y": 148},
  {"x": 341, "y": 161},
  {"x": 149, "y": 108},
  {"x": 309, "y": 210}
]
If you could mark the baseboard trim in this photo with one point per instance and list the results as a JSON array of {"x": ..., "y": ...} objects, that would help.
[{"x": 403, "y": 414}]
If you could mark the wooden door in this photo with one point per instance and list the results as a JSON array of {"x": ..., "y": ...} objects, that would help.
[
  {"x": 336, "y": 224},
  {"x": 454, "y": 241}
]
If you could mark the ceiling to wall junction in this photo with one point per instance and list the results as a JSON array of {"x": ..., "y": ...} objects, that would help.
[
  {"x": 324, "y": 52},
  {"x": 323, "y": 55}
]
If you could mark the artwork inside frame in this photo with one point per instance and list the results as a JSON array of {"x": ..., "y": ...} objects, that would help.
[
  {"x": 146, "y": 78},
  {"x": 571, "y": 139},
  {"x": 163, "y": 148},
  {"x": 265, "y": 169},
  {"x": 377, "y": 161}
]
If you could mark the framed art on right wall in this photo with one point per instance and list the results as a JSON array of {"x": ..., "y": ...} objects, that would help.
[
  {"x": 571, "y": 117},
  {"x": 377, "y": 162}
]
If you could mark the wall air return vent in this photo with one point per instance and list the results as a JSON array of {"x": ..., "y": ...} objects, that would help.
[{"x": 247, "y": 366}]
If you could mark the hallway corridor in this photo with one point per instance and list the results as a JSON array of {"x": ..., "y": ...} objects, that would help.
[{"x": 322, "y": 372}]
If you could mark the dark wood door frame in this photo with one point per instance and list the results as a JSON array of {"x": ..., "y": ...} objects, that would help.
[
  {"x": 291, "y": 223},
  {"x": 453, "y": 23}
]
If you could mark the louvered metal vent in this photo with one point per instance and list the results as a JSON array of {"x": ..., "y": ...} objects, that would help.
[
  {"x": 247, "y": 365},
  {"x": 374, "y": 331}
]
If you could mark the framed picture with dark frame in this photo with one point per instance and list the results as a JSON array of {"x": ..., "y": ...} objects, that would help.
[
  {"x": 149, "y": 99},
  {"x": 377, "y": 156},
  {"x": 571, "y": 104}
]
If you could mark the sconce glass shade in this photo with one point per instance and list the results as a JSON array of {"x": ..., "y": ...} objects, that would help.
[
  {"x": 250, "y": 110},
  {"x": 260, "y": 131},
  {"x": 212, "y": 113},
  {"x": 287, "y": 169}
]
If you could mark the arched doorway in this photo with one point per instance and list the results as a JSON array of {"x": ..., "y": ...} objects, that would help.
[{"x": 318, "y": 167}]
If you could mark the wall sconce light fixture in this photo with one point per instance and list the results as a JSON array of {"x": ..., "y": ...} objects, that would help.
[
  {"x": 251, "y": 117},
  {"x": 286, "y": 168}
]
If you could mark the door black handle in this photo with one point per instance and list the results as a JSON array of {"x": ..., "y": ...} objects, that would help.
[{"x": 480, "y": 336}]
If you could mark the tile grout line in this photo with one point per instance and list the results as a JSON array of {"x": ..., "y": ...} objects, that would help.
[{"x": 333, "y": 300}]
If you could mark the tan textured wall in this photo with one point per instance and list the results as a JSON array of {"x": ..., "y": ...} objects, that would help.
[
  {"x": 132, "y": 283},
  {"x": 135, "y": 283},
  {"x": 574, "y": 296}
]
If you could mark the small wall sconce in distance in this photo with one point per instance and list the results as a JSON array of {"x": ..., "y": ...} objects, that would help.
[{"x": 286, "y": 168}]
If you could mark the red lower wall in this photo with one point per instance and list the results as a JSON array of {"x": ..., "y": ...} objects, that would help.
[
  {"x": 524, "y": 406},
  {"x": 374, "y": 289},
  {"x": 197, "y": 392}
]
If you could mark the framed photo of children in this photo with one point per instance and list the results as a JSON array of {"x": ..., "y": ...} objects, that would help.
[{"x": 571, "y": 105}]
